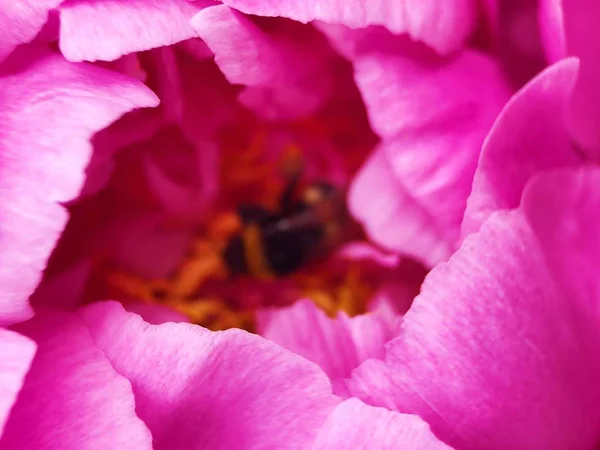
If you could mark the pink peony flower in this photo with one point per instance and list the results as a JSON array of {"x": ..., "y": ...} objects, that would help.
[
  {"x": 159, "y": 174},
  {"x": 390, "y": 101}
]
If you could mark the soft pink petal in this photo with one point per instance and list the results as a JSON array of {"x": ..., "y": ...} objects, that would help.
[
  {"x": 72, "y": 397},
  {"x": 433, "y": 115},
  {"x": 17, "y": 354},
  {"x": 563, "y": 209},
  {"x": 410, "y": 88},
  {"x": 199, "y": 389},
  {"x": 282, "y": 68},
  {"x": 21, "y": 21},
  {"x": 529, "y": 136},
  {"x": 493, "y": 354},
  {"x": 336, "y": 345},
  {"x": 581, "y": 18},
  {"x": 551, "y": 29},
  {"x": 354, "y": 425},
  {"x": 93, "y": 30},
  {"x": 47, "y": 114},
  {"x": 443, "y": 25},
  {"x": 382, "y": 204},
  {"x": 361, "y": 250}
]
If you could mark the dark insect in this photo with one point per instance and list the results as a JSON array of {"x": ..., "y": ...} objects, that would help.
[{"x": 310, "y": 222}]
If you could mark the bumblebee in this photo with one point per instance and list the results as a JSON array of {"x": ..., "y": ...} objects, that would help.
[{"x": 309, "y": 223}]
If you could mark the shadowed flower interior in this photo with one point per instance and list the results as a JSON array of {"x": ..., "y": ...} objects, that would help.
[{"x": 265, "y": 226}]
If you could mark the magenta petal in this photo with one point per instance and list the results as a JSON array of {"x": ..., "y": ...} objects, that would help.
[
  {"x": 336, "y": 345},
  {"x": 47, "y": 115},
  {"x": 199, "y": 389},
  {"x": 550, "y": 17},
  {"x": 433, "y": 116},
  {"x": 21, "y": 21},
  {"x": 17, "y": 354},
  {"x": 581, "y": 18},
  {"x": 72, "y": 397},
  {"x": 354, "y": 425},
  {"x": 391, "y": 217},
  {"x": 105, "y": 30},
  {"x": 410, "y": 90},
  {"x": 282, "y": 69},
  {"x": 493, "y": 354},
  {"x": 529, "y": 136},
  {"x": 563, "y": 209},
  {"x": 443, "y": 25}
]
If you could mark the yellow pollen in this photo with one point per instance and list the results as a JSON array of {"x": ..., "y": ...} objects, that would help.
[{"x": 349, "y": 293}]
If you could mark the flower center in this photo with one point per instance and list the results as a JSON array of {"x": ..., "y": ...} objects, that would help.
[{"x": 261, "y": 254}]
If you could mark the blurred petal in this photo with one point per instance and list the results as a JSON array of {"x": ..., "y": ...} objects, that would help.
[
  {"x": 443, "y": 25},
  {"x": 354, "y": 426},
  {"x": 551, "y": 29},
  {"x": 226, "y": 390},
  {"x": 433, "y": 115},
  {"x": 563, "y": 209},
  {"x": 529, "y": 136},
  {"x": 65, "y": 289},
  {"x": 72, "y": 397},
  {"x": 21, "y": 21},
  {"x": 581, "y": 18},
  {"x": 154, "y": 313},
  {"x": 493, "y": 354},
  {"x": 17, "y": 354},
  {"x": 105, "y": 30},
  {"x": 281, "y": 67},
  {"x": 47, "y": 115},
  {"x": 337, "y": 345}
]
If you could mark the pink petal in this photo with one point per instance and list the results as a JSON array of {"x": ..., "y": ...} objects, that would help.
[
  {"x": 65, "y": 289},
  {"x": 198, "y": 389},
  {"x": 493, "y": 354},
  {"x": 47, "y": 115},
  {"x": 529, "y": 136},
  {"x": 434, "y": 115},
  {"x": 550, "y": 17},
  {"x": 72, "y": 397},
  {"x": 443, "y": 25},
  {"x": 144, "y": 244},
  {"x": 581, "y": 18},
  {"x": 17, "y": 353},
  {"x": 93, "y": 30},
  {"x": 382, "y": 204},
  {"x": 21, "y": 21},
  {"x": 354, "y": 426},
  {"x": 336, "y": 345},
  {"x": 281, "y": 67},
  {"x": 491, "y": 12},
  {"x": 563, "y": 210},
  {"x": 410, "y": 89}
]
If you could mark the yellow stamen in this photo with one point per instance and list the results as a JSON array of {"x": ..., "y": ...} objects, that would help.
[{"x": 213, "y": 314}]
